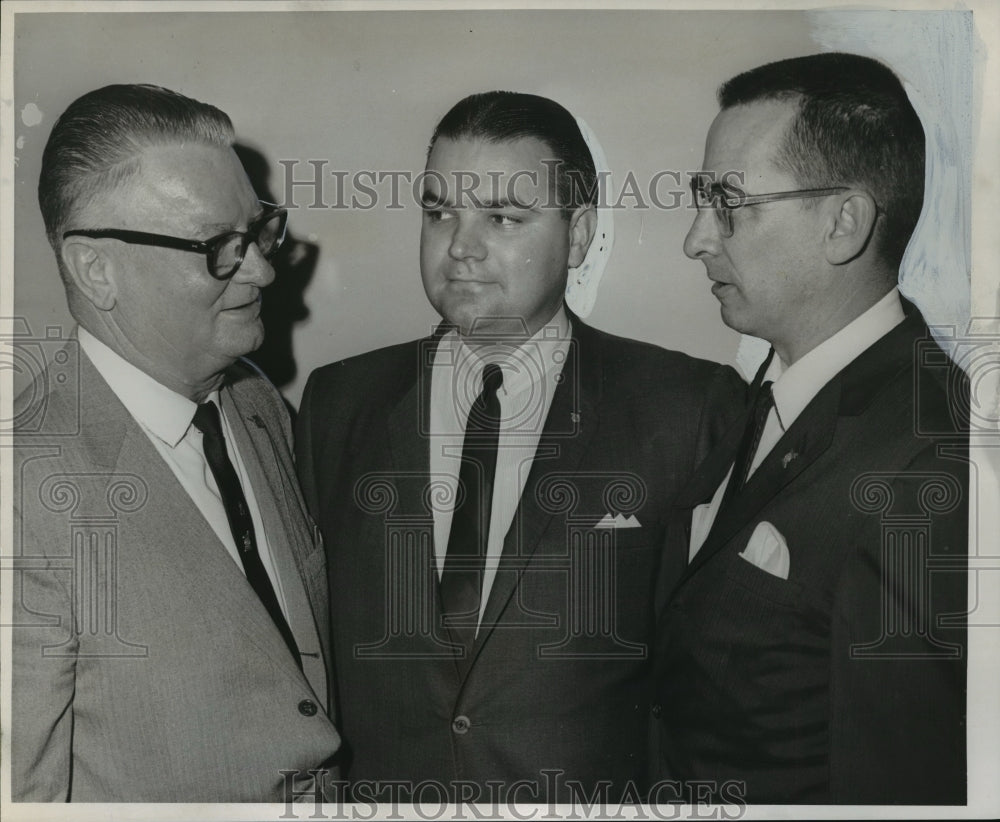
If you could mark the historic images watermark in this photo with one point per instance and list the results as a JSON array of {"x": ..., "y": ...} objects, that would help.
[
  {"x": 525, "y": 799},
  {"x": 314, "y": 184}
]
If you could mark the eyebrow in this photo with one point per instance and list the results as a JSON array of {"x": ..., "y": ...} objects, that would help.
[
  {"x": 218, "y": 228},
  {"x": 431, "y": 200},
  {"x": 222, "y": 228}
]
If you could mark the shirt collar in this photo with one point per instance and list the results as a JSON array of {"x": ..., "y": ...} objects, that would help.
[
  {"x": 795, "y": 385},
  {"x": 524, "y": 365},
  {"x": 161, "y": 411}
]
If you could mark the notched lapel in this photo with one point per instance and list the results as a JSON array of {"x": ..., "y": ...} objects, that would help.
[
  {"x": 809, "y": 436},
  {"x": 287, "y": 535},
  {"x": 409, "y": 444},
  {"x": 713, "y": 469}
]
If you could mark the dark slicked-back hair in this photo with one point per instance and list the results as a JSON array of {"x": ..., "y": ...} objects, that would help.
[
  {"x": 855, "y": 126},
  {"x": 94, "y": 146},
  {"x": 503, "y": 116}
]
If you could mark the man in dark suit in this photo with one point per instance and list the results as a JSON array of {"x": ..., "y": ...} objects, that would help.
[
  {"x": 813, "y": 650},
  {"x": 492, "y": 497},
  {"x": 170, "y": 608}
]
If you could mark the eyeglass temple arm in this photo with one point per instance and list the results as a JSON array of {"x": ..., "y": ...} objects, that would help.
[{"x": 141, "y": 238}]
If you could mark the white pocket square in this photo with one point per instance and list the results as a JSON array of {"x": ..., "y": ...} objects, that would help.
[
  {"x": 768, "y": 551},
  {"x": 618, "y": 521}
]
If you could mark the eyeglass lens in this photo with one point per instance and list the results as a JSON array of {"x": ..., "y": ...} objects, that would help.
[
  {"x": 230, "y": 251},
  {"x": 710, "y": 195}
]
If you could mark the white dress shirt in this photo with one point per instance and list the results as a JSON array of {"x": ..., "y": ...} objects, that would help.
[
  {"x": 166, "y": 418},
  {"x": 795, "y": 386},
  {"x": 531, "y": 372}
]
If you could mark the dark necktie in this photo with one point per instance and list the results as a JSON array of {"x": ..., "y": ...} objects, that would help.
[
  {"x": 206, "y": 420},
  {"x": 762, "y": 404},
  {"x": 461, "y": 579}
]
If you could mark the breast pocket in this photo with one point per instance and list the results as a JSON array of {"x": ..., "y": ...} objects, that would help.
[{"x": 758, "y": 582}]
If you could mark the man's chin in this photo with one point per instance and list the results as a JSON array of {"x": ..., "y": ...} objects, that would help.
[
  {"x": 246, "y": 342},
  {"x": 734, "y": 319}
]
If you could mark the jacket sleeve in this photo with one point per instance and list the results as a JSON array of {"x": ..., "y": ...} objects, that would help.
[{"x": 44, "y": 656}]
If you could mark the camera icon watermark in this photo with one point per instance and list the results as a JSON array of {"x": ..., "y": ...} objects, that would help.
[
  {"x": 534, "y": 367},
  {"x": 970, "y": 375},
  {"x": 41, "y": 366}
]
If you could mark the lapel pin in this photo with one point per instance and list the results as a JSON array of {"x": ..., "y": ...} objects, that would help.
[
  {"x": 575, "y": 417},
  {"x": 785, "y": 460}
]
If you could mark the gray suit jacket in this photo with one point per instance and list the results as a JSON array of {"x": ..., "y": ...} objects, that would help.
[{"x": 145, "y": 668}]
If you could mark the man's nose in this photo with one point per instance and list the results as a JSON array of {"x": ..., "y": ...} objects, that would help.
[
  {"x": 466, "y": 239},
  {"x": 255, "y": 268},
  {"x": 703, "y": 237}
]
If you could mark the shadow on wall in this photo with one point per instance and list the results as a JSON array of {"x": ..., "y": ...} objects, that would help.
[{"x": 284, "y": 300}]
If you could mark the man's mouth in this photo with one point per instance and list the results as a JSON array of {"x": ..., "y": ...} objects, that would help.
[
  {"x": 250, "y": 304},
  {"x": 718, "y": 286}
]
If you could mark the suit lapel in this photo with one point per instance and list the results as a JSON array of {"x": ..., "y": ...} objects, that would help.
[
  {"x": 287, "y": 542},
  {"x": 408, "y": 423},
  {"x": 183, "y": 550},
  {"x": 570, "y": 426},
  {"x": 713, "y": 469},
  {"x": 804, "y": 442},
  {"x": 409, "y": 444}
]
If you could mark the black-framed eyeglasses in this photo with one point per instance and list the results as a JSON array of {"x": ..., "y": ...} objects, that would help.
[
  {"x": 724, "y": 199},
  {"x": 224, "y": 252}
]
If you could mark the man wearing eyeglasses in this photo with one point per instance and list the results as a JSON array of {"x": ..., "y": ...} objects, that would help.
[
  {"x": 813, "y": 650},
  {"x": 170, "y": 607}
]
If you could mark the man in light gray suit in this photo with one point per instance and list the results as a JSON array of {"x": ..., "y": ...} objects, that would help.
[{"x": 170, "y": 611}]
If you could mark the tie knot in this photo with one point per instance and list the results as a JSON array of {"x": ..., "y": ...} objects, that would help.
[
  {"x": 766, "y": 395},
  {"x": 484, "y": 415},
  {"x": 206, "y": 420},
  {"x": 492, "y": 378}
]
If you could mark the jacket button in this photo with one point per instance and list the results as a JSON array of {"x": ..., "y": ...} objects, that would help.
[
  {"x": 308, "y": 708},
  {"x": 461, "y": 724},
  {"x": 657, "y": 711}
]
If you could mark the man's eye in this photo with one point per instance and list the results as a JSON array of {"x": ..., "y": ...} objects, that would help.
[
  {"x": 506, "y": 219},
  {"x": 435, "y": 215}
]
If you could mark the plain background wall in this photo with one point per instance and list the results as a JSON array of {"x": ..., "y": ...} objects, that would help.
[{"x": 362, "y": 90}]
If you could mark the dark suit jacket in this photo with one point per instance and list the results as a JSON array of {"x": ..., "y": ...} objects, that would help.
[
  {"x": 145, "y": 668},
  {"x": 559, "y": 674},
  {"x": 844, "y": 683}
]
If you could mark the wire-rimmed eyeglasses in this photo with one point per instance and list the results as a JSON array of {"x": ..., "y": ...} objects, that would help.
[
  {"x": 725, "y": 199},
  {"x": 224, "y": 252}
]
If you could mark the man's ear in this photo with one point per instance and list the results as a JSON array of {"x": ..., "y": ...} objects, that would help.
[
  {"x": 91, "y": 268},
  {"x": 582, "y": 226},
  {"x": 853, "y": 227}
]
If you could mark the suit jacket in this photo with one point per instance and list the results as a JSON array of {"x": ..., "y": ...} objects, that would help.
[
  {"x": 145, "y": 668},
  {"x": 845, "y": 682},
  {"x": 558, "y": 677}
]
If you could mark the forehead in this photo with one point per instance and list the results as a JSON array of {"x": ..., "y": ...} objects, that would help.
[
  {"x": 189, "y": 187},
  {"x": 746, "y": 139},
  {"x": 489, "y": 169}
]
